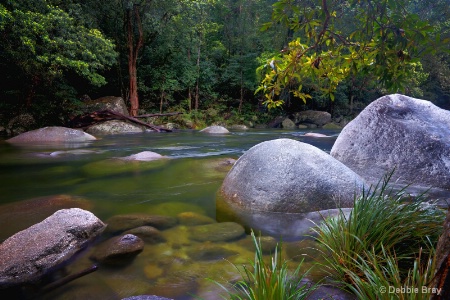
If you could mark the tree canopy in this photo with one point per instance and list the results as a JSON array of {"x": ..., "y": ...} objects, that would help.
[
  {"x": 45, "y": 42},
  {"x": 333, "y": 40},
  {"x": 221, "y": 57}
]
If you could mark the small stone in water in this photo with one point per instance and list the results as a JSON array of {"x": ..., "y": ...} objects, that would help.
[
  {"x": 148, "y": 234},
  {"x": 118, "y": 250},
  {"x": 152, "y": 271},
  {"x": 217, "y": 232},
  {"x": 192, "y": 218}
]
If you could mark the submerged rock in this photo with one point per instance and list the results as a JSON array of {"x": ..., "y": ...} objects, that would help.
[
  {"x": 113, "y": 166},
  {"x": 118, "y": 250},
  {"x": 215, "y": 130},
  {"x": 209, "y": 252},
  {"x": 268, "y": 244},
  {"x": 217, "y": 232},
  {"x": 396, "y": 131},
  {"x": 31, "y": 253},
  {"x": 52, "y": 134},
  {"x": 318, "y": 118},
  {"x": 148, "y": 234},
  {"x": 288, "y": 176},
  {"x": 192, "y": 219},
  {"x": 120, "y": 223},
  {"x": 175, "y": 285}
]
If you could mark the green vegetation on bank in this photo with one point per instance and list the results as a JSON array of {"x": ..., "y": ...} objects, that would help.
[
  {"x": 385, "y": 246},
  {"x": 203, "y": 55},
  {"x": 388, "y": 241}
]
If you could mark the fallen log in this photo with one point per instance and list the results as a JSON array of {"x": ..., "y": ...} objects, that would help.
[
  {"x": 159, "y": 115},
  {"x": 96, "y": 117}
]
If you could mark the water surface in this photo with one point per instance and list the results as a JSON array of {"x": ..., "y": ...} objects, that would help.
[{"x": 187, "y": 182}]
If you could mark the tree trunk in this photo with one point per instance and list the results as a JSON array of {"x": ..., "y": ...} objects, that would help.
[
  {"x": 197, "y": 90},
  {"x": 32, "y": 90},
  {"x": 133, "y": 52},
  {"x": 442, "y": 276},
  {"x": 189, "y": 89},
  {"x": 241, "y": 100}
]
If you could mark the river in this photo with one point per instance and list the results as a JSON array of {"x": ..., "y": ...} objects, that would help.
[{"x": 187, "y": 182}]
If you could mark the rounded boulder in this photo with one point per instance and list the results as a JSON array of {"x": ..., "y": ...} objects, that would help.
[
  {"x": 215, "y": 130},
  {"x": 398, "y": 132},
  {"x": 53, "y": 134},
  {"x": 288, "y": 176}
]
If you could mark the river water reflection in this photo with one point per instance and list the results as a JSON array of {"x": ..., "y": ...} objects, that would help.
[{"x": 187, "y": 182}]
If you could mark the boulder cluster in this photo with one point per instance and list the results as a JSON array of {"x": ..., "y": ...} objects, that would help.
[{"x": 395, "y": 134}]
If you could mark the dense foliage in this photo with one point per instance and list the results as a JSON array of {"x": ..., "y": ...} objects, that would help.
[
  {"x": 388, "y": 240},
  {"x": 202, "y": 55}
]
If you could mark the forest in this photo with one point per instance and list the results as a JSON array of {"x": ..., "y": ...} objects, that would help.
[{"x": 220, "y": 60}]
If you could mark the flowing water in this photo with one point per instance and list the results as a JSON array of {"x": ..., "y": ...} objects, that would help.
[{"x": 34, "y": 179}]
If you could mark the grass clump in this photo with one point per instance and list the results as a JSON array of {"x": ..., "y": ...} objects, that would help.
[
  {"x": 386, "y": 242},
  {"x": 263, "y": 281}
]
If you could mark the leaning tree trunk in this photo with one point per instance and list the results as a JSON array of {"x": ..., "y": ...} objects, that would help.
[
  {"x": 442, "y": 276},
  {"x": 133, "y": 51}
]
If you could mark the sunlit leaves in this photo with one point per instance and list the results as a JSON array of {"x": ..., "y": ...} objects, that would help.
[
  {"x": 380, "y": 38},
  {"x": 49, "y": 41}
]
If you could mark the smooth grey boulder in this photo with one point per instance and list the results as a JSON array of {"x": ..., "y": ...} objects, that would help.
[
  {"x": 31, "y": 253},
  {"x": 396, "y": 131},
  {"x": 144, "y": 156},
  {"x": 115, "y": 104},
  {"x": 318, "y": 118},
  {"x": 52, "y": 134},
  {"x": 114, "y": 127},
  {"x": 239, "y": 127},
  {"x": 288, "y": 124},
  {"x": 215, "y": 130},
  {"x": 288, "y": 176},
  {"x": 20, "y": 124}
]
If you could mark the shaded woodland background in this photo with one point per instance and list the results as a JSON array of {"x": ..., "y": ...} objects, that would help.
[{"x": 198, "y": 57}]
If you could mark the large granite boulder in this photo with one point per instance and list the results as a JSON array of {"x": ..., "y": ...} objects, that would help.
[
  {"x": 33, "y": 252},
  {"x": 115, "y": 104},
  {"x": 52, "y": 134},
  {"x": 20, "y": 124},
  {"x": 318, "y": 118},
  {"x": 396, "y": 131},
  {"x": 288, "y": 124},
  {"x": 288, "y": 176},
  {"x": 114, "y": 127}
]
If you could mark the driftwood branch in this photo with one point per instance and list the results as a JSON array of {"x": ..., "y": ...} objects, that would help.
[
  {"x": 65, "y": 280},
  {"x": 106, "y": 115}
]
